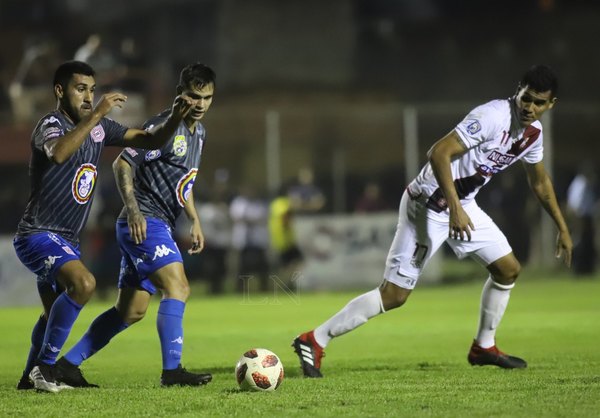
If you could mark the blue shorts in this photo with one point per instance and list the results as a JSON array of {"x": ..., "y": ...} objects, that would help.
[
  {"x": 139, "y": 261},
  {"x": 44, "y": 253}
]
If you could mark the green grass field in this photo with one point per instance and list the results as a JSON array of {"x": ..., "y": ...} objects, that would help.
[{"x": 410, "y": 362}]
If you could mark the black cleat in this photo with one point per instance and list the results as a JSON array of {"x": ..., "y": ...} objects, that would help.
[
  {"x": 25, "y": 383},
  {"x": 70, "y": 374},
  {"x": 310, "y": 354},
  {"x": 181, "y": 377},
  {"x": 43, "y": 377},
  {"x": 492, "y": 356}
]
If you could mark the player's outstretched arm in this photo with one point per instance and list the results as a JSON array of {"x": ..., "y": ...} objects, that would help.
[
  {"x": 160, "y": 134},
  {"x": 440, "y": 156},
  {"x": 135, "y": 220},
  {"x": 542, "y": 187},
  {"x": 59, "y": 150}
]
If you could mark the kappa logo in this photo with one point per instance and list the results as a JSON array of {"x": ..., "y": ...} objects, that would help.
[
  {"x": 178, "y": 340},
  {"x": 49, "y": 262},
  {"x": 52, "y": 348},
  {"x": 161, "y": 251},
  {"x": 51, "y": 119}
]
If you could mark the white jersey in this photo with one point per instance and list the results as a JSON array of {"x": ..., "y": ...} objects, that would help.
[{"x": 493, "y": 141}]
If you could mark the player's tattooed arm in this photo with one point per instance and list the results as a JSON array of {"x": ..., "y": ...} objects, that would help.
[{"x": 124, "y": 178}]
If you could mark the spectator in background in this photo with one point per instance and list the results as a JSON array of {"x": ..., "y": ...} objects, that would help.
[
  {"x": 371, "y": 200},
  {"x": 305, "y": 196},
  {"x": 250, "y": 237},
  {"x": 216, "y": 225},
  {"x": 582, "y": 198},
  {"x": 28, "y": 90},
  {"x": 283, "y": 238}
]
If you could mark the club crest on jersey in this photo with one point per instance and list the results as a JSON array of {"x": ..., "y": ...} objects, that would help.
[
  {"x": 152, "y": 155},
  {"x": 97, "y": 133},
  {"x": 83, "y": 183},
  {"x": 184, "y": 186},
  {"x": 474, "y": 127},
  {"x": 179, "y": 146}
]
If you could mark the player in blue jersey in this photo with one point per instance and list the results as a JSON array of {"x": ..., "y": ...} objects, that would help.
[
  {"x": 156, "y": 186},
  {"x": 66, "y": 146}
]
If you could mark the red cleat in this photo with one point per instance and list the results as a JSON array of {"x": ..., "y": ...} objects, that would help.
[{"x": 493, "y": 356}]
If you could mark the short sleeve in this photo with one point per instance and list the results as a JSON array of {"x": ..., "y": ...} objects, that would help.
[
  {"x": 478, "y": 126},
  {"x": 49, "y": 128},
  {"x": 111, "y": 131}
]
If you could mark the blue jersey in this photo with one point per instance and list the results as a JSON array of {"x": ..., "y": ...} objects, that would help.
[
  {"x": 164, "y": 177},
  {"x": 61, "y": 194}
]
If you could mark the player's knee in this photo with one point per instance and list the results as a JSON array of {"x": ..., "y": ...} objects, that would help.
[
  {"x": 393, "y": 296},
  {"x": 509, "y": 274},
  {"x": 82, "y": 287},
  {"x": 134, "y": 316},
  {"x": 179, "y": 289}
]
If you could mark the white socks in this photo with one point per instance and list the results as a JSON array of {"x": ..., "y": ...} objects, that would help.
[
  {"x": 494, "y": 299},
  {"x": 358, "y": 311}
]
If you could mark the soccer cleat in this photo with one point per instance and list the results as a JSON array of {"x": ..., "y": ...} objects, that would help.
[
  {"x": 44, "y": 378},
  {"x": 479, "y": 356},
  {"x": 310, "y": 354},
  {"x": 181, "y": 377},
  {"x": 70, "y": 374},
  {"x": 25, "y": 383}
]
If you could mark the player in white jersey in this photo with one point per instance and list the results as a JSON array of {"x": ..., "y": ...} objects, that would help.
[{"x": 439, "y": 206}]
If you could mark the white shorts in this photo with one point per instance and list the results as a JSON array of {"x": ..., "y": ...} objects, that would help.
[{"x": 421, "y": 232}]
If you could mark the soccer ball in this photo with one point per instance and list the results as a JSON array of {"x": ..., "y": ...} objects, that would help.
[{"x": 259, "y": 369}]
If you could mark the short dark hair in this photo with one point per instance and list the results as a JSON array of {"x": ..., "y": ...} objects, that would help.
[
  {"x": 65, "y": 71},
  {"x": 196, "y": 75},
  {"x": 540, "y": 78}
]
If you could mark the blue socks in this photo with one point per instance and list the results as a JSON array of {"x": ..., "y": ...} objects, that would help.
[
  {"x": 100, "y": 332},
  {"x": 37, "y": 340},
  {"x": 169, "y": 323},
  {"x": 62, "y": 316}
]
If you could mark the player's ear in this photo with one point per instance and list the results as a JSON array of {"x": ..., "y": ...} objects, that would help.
[
  {"x": 179, "y": 89},
  {"x": 58, "y": 91},
  {"x": 552, "y": 102}
]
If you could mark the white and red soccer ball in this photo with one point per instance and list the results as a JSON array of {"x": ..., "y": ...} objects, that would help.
[{"x": 259, "y": 369}]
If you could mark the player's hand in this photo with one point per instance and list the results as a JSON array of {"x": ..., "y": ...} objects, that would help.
[
  {"x": 181, "y": 106},
  {"x": 197, "y": 239},
  {"x": 460, "y": 224},
  {"x": 110, "y": 100},
  {"x": 137, "y": 227},
  {"x": 564, "y": 247}
]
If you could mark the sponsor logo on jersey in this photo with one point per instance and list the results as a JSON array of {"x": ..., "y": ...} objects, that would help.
[
  {"x": 152, "y": 155},
  {"x": 52, "y": 132},
  {"x": 82, "y": 187},
  {"x": 500, "y": 158},
  {"x": 131, "y": 151},
  {"x": 161, "y": 251},
  {"x": 97, "y": 133},
  {"x": 486, "y": 170},
  {"x": 184, "y": 186},
  {"x": 54, "y": 238},
  {"x": 473, "y": 127},
  {"x": 179, "y": 146},
  {"x": 68, "y": 250}
]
